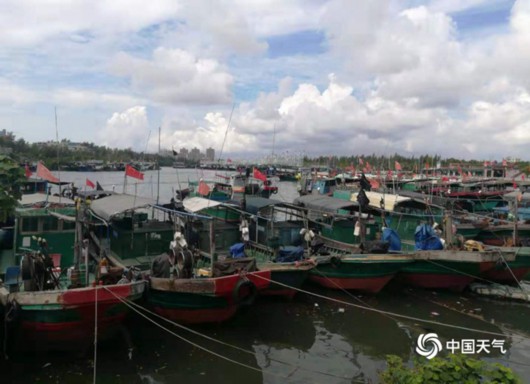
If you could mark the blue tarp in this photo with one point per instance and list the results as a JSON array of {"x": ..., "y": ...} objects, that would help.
[
  {"x": 392, "y": 238},
  {"x": 290, "y": 254},
  {"x": 426, "y": 238},
  {"x": 237, "y": 250}
]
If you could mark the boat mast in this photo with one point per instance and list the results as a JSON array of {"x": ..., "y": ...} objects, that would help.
[
  {"x": 57, "y": 141},
  {"x": 158, "y": 166}
]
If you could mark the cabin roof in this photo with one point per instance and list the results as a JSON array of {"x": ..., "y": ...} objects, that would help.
[
  {"x": 255, "y": 203},
  {"x": 95, "y": 192},
  {"x": 390, "y": 200},
  {"x": 323, "y": 203},
  {"x": 512, "y": 196},
  {"x": 38, "y": 198},
  {"x": 197, "y": 204},
  {"x": 114, "y": 205}
]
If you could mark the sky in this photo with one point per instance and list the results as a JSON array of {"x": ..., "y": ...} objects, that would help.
[{"x": 262, "y": 77}]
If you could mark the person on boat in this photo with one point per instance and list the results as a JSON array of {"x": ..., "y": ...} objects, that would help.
[{"x": 163, "y": 265}]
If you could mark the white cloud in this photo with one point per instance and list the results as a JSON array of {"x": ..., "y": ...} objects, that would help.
[
  {"x": 29, "y": 22},
  {"x": 175, "y": 76},
  {"x": 127, "y": 129}
]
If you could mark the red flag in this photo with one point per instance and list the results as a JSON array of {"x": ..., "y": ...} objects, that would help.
[
  {"x": 44, "y": 173},
  {"x": 361, "y": 162},
  {"x": 397, "y": 166},
  {"x": 258, "y": 175},
  {"x": 90, "y": 183},
  {"x": 132, "y": 172},
  {"x": 28, "y": 171},
  {"x": 203, "y": 189},
  {"x": 368, "y": 167},
  {"x": 228, "y": 160},
  {"x": 374, "y": 183},
  {"x": 514, "y": 184}
]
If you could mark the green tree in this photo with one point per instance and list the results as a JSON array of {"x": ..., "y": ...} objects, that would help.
[
  {"x": 11, "y": 178},
  {"x": 447, "y": 370}
]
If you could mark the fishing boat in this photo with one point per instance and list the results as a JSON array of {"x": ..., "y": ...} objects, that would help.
[
  {"x": 451, "y": 269},
  {"x": 344, "y": 244},
  {"x": 345, "y": 266},
  {"x": 47, "y": 308},
  {"x": 267, "y": 231},
  {"x": 274, "y": 231},
  {"x": 201, "y": 288},
  {"x": 207, "y": 297},
  {"x": 234, "y": 187}
]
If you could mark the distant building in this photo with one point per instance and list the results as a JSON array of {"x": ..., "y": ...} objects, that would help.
[
  {"x": 210, "y": 154},
  {"x": 195, "y": 154},
  {"x": 183, "y": 154}
]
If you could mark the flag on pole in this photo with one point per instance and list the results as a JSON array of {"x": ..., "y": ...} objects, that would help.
[
  {"x": 203, "y": 189},
  {"x": 28, "y": 171},
  {"x": 44, "y": 173},
  {"x": 132, "y": 172},
  {"x": 257, "y": 174},
  {"x": 397, "y": 166},
  {"x": 89, "y": 183}
]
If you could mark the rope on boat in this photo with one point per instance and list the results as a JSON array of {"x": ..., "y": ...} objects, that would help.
[
  {"x": 511, "y": 272},
  {"x": 195, "y": 344},
  {"x": 95, "y": 332},
  {"x": 459, "y": 272},
  {"x": 347, "y": 292},
  {"x": 433, "y": 322},
  {"x": 139, "y": 307}
]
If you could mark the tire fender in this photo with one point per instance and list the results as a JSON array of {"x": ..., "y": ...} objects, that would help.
[{"x": 239, "y": 290}]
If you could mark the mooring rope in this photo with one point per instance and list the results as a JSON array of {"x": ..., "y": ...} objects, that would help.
[
  {"x": 230, "y": 345},
  {"x": 433, "y": 322}
]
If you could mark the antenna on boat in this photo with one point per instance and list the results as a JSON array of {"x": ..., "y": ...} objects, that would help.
[{"x": 226, "y": 133}]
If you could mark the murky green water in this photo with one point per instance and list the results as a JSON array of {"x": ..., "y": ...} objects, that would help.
[{"x": 306, "y": 340}]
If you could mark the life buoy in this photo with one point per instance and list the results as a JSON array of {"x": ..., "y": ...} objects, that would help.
[
  {"x": 244, "y": 293},
  {"x": 335, "y": 261}
]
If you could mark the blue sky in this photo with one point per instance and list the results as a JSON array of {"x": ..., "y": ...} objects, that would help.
[{"x": 334, "y": 77}]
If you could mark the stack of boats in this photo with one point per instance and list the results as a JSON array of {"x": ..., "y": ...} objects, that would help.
[{"x": 199, "y": 260}]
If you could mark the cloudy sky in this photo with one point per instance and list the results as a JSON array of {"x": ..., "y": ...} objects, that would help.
[{"x": 449, "y": 77}]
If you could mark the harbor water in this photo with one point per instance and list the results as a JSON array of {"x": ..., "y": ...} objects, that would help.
[{"x": 309, "y": 339}]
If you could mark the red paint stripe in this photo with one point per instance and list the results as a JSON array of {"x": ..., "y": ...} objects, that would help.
[
  {"x": 197, "y": 316},
  {"x": 370, "y": 285},
  {"x": 432, "y": 280}
]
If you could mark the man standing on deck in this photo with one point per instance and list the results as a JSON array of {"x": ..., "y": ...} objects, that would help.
[{"x": 164, "y": 264}]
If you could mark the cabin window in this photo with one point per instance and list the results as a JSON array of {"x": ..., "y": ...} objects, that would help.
[
  {"x": 50, "y": 223},
  {"x": 68, "y": 225},
  {"x": 29, "y": 224}
]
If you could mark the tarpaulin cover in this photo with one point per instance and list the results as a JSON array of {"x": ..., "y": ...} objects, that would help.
[
  {"x": 237, "y": 250},
  {"x": 392, "y": 238},
  {"x": 289, "y": 254},
  {"x": 426, "y": 238}
]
